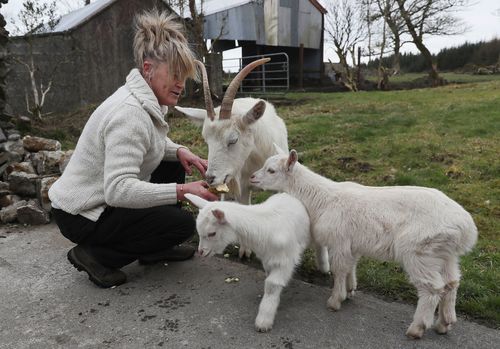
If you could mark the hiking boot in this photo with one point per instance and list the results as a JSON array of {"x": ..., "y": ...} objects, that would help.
[
  {"x": 99, "y": 274},
  {"x": 173, "y": 254}
]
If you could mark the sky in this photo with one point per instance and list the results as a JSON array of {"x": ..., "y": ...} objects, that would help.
[{"x": 480, "y": 17}]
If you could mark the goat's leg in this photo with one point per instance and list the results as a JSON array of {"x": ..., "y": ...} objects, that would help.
[
  {"x": 341, "y": 264},
  {"x": 245, "y": 199},
  {"x": 446, "y": 313},
  {"x": 321, "y": 253},
  {"x": 424, "y": 315},
  {"x": 352, "y": 282},
  {"x": 274, "y": 283},
  {"x": 425, "y": 273}
]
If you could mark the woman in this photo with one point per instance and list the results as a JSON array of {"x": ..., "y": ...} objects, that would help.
[{"x": 118, "y": 197}]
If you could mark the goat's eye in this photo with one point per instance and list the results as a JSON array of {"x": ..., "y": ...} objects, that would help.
[
  {"x": 270, "y": 170},
  {"x": 211, "y": 235},
  {"x": 232, "y": 141}
]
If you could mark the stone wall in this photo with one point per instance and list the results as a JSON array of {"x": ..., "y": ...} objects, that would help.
[{"x": 28, "y": 167}]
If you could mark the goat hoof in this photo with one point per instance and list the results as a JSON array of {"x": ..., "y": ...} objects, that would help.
[
  {"x": 441, "y": 328},
  {"x": 263, "y": 328},
  {"x": 415, "y": 331},
  {"x": 244, "y": 253},
  {"x": 333, "y": 304},
  {"x": 350, "y": 293}
]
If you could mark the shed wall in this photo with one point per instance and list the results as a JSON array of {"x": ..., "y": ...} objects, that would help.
[{"x": 89, "y": 62}]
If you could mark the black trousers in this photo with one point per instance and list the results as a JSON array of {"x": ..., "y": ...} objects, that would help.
[{"x": 122, "y": 235}]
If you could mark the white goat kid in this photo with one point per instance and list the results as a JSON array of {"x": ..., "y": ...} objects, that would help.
[
  {"x": 419, "y": 227},
  {"x": 276, "y": 230}
]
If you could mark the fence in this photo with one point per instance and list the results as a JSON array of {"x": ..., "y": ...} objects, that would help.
[{"x": 271, "y": 77}]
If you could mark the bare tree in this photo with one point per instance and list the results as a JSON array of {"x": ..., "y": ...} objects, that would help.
[
  {"x": 345, "y": 29},
  {"x": 389, "y": 11},
  {"x": 35, "y": 18},
  {"x": 431, "y": 17},
  {"x": 203, "y": 51}
]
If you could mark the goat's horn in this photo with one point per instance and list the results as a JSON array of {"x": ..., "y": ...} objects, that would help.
[
  {"x": 206, "y": 91},
  {"x": 227, "y": 102}
]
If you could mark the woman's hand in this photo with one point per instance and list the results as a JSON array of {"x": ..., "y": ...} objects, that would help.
[
  {"x": 188, "y": 159},
  {"x": 198, "y": 188}
]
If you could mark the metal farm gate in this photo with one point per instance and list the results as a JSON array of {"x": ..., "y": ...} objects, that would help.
[{"x": 270, "y": 78}]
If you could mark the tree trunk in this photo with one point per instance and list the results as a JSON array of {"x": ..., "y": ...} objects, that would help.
[
  {"x": 347, "y": 78},
  {"x": 214, "y": 65},
  {"x": 396, "y": 65},
  {"x": 434, "y": 77}
]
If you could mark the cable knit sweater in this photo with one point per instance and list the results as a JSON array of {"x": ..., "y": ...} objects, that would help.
[{"x": 123, "y": 142}]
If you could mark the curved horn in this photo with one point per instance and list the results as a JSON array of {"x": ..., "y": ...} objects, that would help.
[
  {"x": 206, "y": 91},
  {"x": 227, "y": 102}
]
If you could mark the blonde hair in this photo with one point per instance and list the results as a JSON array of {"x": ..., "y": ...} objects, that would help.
[{"x": 158, "y": 36}]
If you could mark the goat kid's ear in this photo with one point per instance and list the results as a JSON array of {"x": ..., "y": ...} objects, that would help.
[
  {"x": 255, "y": 113},
  {"x": 278, "y": 149},
  {"x": 221, "y": 219},
  {"x": 196, "y": 200},
  {"x": 195, "y": 115},
  {"x": 292, "y": 160}
]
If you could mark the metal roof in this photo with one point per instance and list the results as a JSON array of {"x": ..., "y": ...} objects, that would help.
[
  {"x": 214, "y": 6},
  {"x": 77, "y": 17}
]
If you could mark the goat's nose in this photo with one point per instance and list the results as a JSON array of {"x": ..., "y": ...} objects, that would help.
[
  {"x": 210, "y": 179},
  {"x": 200, "y": 252},
  {"x": 252, "y": 176}
]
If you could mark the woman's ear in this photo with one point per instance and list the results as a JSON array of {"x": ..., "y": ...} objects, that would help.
[{"x": 147, "y": 68}]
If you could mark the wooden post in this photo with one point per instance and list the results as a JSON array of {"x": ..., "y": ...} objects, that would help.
[
  {"x": 301, "y": 67},
  {"x": 359, "y": 68}
]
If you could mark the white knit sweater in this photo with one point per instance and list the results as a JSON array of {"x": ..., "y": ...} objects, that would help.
[{"x": 123, "y": 142}]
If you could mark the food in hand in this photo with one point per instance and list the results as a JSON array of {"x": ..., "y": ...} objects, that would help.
[{"x": 219, "y": 189}]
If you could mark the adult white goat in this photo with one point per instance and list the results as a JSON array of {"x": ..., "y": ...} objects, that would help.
[
  {"x": 240, "y": 134},
  {"x": 276, "y": 230},
  {"x": 419, "y": 227}
]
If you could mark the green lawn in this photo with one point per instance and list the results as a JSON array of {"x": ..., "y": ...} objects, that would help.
[
  {"x": 449, "y": 76},
  {"x": 447, "y": 138}
]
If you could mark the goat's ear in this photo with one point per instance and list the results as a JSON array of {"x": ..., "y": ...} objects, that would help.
[
  {"x": 197, "y": 116},
  {"x": 292, "y": 159},
  {"x": 255, "y": 113},
  {"x": 221, "y": 219},
  {"x": 196, "y": 200},
  {"x": 278, "y": 149}
]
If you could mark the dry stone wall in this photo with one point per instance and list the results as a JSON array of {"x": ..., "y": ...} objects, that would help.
[{"x": 28, "y": 167}]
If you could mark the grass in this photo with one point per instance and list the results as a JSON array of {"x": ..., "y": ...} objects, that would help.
[
  {"x": 451, "y": 77},
  {"x": 447, "y": 138}
]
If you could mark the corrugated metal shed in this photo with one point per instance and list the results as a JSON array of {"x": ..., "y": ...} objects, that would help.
[
  {"x": 267, "y": 22},
  {"x": 260, "y": 27}
]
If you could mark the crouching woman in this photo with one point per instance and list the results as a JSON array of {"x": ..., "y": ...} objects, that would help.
[{"x": 118, "y": 197}]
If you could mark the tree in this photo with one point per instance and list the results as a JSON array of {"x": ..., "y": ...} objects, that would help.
[
  {"x": 34, "y": 18},
  {"x": 431, "y": 17},
  {"x": 389, "y": 11},
  {"x": 345, "y": 29},
  {"x": 201, "y": 48}
]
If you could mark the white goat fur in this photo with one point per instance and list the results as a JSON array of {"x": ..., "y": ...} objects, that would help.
[
  {"x": 419, "y": 227},
  {"x": 276, "y": 230}
]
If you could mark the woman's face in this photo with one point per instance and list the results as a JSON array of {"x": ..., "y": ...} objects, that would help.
[{"x": 167, "y": 88}]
